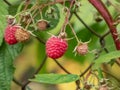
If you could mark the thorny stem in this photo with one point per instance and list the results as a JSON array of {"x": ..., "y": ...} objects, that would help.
[
  {"x": 98, "y": 4},
  {"x": 101, "y": 40}
]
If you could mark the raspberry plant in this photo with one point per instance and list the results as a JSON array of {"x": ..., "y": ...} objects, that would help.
[{"x": 88, "y": 28}]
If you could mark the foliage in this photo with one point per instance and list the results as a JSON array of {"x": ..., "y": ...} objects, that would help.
[
  {"x": 55, "y": 78},
  {"x": 106, "y": 58},
  {"x": 81, "y": 21},
  {"x": 7, "y": 56},
  {"x": 4, "y": 12}
]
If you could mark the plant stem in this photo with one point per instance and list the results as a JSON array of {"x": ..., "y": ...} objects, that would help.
[
  {"x": 90, "y": 29},
  {"x": 100, "y": 75},
  {"x": 7, "y": 2},
  {"x": 86, "y": 70},
  {"x": 17, "y": 82},
  {"x": 111, "y": 75},
  {"x": 68, "y": 14},
  {"x": 78, "y": 85},
  {"x": 74, "y": 32},
  {"x": 62, "y": 67},
  {"x": 27, "y": 2},
  {"x": 98, "y": 4}
]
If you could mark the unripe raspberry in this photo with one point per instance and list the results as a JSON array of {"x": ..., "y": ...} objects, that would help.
[
  {"x": 11, "y": 20},
  {"x": 87, "y": 86},
  {"x": 42, "y": 25},
  {"x": 82, "y": 48},
  {"x": 56, "y": 47},
  {"x": 103, "y": 87},
  {"x": 10, "y": 34},
  {"x": 22, "y": 35}
]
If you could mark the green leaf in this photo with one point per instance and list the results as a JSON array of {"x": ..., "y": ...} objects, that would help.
[
  {"x": 86, "y": 13},
  {"x": 55, "y": 78},
  {"x": 106, "y": 58},
  {"x": 7, "y": 56},
  {"x": 3, "y": 13}
]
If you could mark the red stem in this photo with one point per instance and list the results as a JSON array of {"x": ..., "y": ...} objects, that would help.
[{"x": 98, "y": 4}]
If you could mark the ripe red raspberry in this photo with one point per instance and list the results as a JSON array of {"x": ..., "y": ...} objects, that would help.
[
  {"x": 56, "y": 47},
  {"x": 10, "y": 34}
]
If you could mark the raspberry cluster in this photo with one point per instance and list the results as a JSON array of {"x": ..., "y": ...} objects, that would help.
[{"x": 14, "y": 34}]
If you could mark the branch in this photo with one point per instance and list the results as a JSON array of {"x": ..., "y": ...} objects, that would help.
[
  {"x": 86, "y": 70},
  {"x": 68, "y": 14},
  {"x": 27, "y": 2},
  {"x": 17, "y": 82},
  {"x": 90, "y": 29},
  {"x": 9, "y": 4},
  {"x": 40, "y": 40},
  {"x": 62, "y": 67},
  {"x": 98, "y": 4}
]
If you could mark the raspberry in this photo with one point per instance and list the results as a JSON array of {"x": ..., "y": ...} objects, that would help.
[
  {"x": 82, "y": 48},
  {"x": 103, "y": 87},
  {"x": 42, "y": 25},
  {"x": 22, "y": 35},
  {"x": 10, "y": 34},
  {"x": 11, "y": 20},
  {"x": 56, "y": 47}
]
